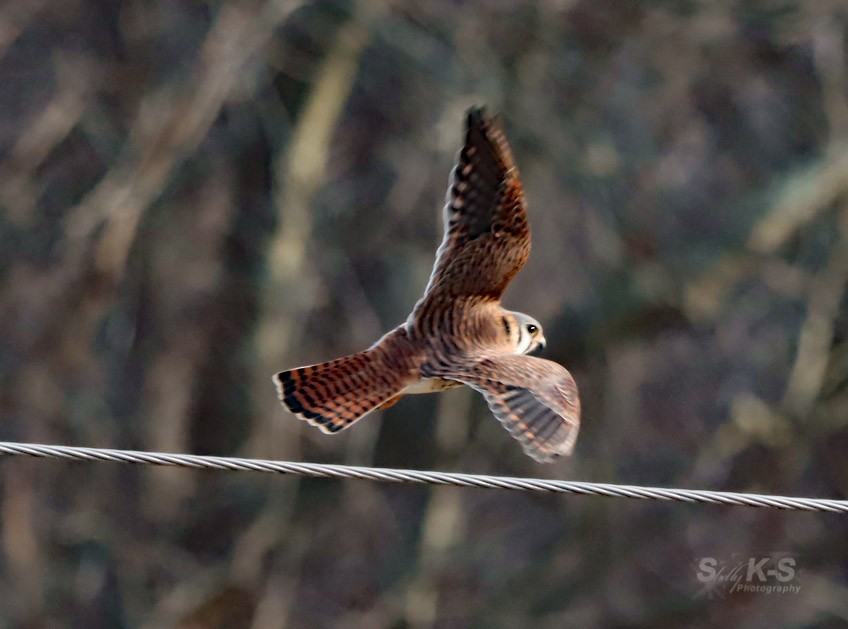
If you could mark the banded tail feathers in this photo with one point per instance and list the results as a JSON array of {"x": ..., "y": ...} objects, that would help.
[{"x": 335, "y": 394}]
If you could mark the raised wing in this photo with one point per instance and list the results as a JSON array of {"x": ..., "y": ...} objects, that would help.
[
  {"x": 487, "y": 238},
  {"x": 535, "y": 399}
]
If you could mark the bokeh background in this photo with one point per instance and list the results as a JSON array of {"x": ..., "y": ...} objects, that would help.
[{"x": 197, "y": 194}]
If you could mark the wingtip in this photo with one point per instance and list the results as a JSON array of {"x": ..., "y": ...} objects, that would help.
[
  {"x": 486, "y": 128},
  {"x": 540, "y": 457},
  {"x": 541, "y": 453},
  {"x": 477, "y": 116}
]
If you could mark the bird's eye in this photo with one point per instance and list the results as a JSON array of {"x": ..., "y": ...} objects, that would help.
[{"x": 532, "y": 329}]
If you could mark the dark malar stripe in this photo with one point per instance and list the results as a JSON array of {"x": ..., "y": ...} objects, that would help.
[{"x": 506, "y": 326}]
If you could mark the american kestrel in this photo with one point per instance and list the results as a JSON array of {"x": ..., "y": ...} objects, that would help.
[{"x": 458, "y": 333}]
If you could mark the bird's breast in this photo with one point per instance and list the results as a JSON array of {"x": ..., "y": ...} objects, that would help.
[{"x": 430, "y": 385}]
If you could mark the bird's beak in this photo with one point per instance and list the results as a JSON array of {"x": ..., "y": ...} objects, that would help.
[{"x": 540, "y": 345}]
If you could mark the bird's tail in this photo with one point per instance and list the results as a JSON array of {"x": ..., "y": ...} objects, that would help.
[{"x": 335, "y": 394}]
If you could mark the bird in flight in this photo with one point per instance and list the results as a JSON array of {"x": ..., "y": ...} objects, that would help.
[{"x": 458, "y": 333}]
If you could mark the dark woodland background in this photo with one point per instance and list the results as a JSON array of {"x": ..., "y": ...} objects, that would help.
[{"x": 196, "y": 195}]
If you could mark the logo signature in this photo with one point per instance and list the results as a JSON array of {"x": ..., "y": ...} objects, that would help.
[{"x": 773, "y": 573}]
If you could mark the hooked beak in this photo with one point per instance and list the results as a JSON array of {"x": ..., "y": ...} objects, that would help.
[{"x": 540, "y": 346}]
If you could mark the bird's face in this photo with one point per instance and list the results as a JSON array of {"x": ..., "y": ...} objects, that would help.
[{"x": 527, "y": 333}]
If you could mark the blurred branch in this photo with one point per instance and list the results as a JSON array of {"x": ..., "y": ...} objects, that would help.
[
  {"x": 299, "y": 174},
  {"x": 185, "y": 596},
  {"x": 445, "y": 519},
  {"x": 443, "y": 529},
  {"x": 172, "y": 376},
  {"x": 23, "y": 555},
  {"x": 801, "y": 198},
  {"x": 829, "y": 56},
  {"x": 705, "y": 295},
  {"x": 816, "y": 336},
  {"x": 798, "y": 200},
  {"x": 47, "y": 129},
  {"x": 168, "y": 128}
]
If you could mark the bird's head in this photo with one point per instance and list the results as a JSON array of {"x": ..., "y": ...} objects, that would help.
[{"x": 527, "y": 334}]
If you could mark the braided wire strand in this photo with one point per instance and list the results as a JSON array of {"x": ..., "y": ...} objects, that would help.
[{"x": 325, "y": 470}]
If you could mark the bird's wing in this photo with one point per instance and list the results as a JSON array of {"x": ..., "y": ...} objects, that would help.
[
  {"x": 487, "y": 237},
  {"x": 535, "y": 399}
]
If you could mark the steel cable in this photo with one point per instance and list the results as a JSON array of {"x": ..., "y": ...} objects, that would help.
[{"x": 325, "y": 470}]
